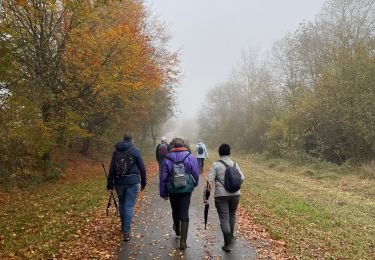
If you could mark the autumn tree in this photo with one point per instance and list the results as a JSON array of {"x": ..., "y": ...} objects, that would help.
[{"x": 79, "y": 74}]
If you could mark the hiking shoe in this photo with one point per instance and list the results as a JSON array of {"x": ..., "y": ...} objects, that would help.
[{"x": 127, "y": 237}]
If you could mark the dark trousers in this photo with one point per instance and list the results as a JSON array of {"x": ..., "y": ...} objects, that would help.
[
  {"x": 180, "y": 203},
  {"x": 226, "y": 207},
  {"x": 200, "y": 163}
]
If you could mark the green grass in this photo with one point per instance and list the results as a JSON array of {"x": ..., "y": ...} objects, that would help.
[
  {"x": 39, "y": 220},
  {"x": 318, "y": 210}
]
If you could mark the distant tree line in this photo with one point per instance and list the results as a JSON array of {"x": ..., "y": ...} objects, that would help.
[
  {"x": 78, "y": 74},
  {"x": 312, "y": 95}
]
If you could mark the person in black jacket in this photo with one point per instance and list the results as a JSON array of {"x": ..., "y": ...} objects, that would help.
[
  {"x": 162, "y": 150},
  {"x": 127, "y": 175}
]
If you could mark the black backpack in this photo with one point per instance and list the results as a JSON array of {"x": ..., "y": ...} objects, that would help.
[
  {"x": 200, "y": 149},
  {"x": 232, "y": 178},
  {"x": 123, "y": 162}
]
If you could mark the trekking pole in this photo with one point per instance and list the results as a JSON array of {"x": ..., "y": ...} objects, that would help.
[{"x": 111, "y": 196}]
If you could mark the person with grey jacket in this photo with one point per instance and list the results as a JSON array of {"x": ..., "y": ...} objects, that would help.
[
  {"x": 226, "y": 203},
  {"x": 202, "y": 154}
]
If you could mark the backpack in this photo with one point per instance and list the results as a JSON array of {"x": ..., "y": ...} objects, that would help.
[
  {"x": 123, "y": 162},
  {"x": 180, "y": 181},
  {"x": 232, "y": 178},
  {"x": 163, "y": 149},
  {"x": 200, "y": 149}
]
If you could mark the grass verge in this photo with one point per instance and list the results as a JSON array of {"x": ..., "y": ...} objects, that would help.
[
  {"x": 34, "y": 223},
  {"x": 51, "y": 219},
  {"x": 317, "y": 211}
]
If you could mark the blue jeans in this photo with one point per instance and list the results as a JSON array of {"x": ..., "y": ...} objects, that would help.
[{"x": 127, "y": 195}]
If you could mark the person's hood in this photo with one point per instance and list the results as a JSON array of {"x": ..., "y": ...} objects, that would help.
[{"x": 122, "y": 146}]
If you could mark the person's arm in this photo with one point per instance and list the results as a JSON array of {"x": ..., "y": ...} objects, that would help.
[
  {"x": 163, "y": 179},
  {"x": 211, "y": 180},
  {"x": 212, "y": 174},
  {"x": 242, "y": 176},
  {"x": 205, "y": 151},
  {"x": 142, "y": 169},
  {"x": 194, "y": 169},
  {"x": 111, "y": 173},
  {"x": 157, "y": 153}
]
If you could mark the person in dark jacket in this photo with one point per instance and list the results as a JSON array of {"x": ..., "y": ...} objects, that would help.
[
  {"x": 179, "y": 197},
  {"x": 127, "y": 175},
  {"x": 162, "y": 150}
]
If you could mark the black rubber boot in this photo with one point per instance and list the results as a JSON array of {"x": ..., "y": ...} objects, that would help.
[
  {"x": 176, "y": 228},
  {"x": 232, "y": 237},
  {"x": 184, "y": 232},
  {"x": 227, "y": 239}
]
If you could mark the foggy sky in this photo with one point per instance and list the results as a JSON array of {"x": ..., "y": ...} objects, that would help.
[{"x": 212, "y": 33}]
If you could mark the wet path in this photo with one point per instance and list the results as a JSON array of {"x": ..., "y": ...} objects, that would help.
[{"x": 154, "y": 238}]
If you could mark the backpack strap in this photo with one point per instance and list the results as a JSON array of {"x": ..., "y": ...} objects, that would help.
[
  {"x": 166, "y": 157},
  {"x": 128, "y": 151},
  {"x": 216, "y": 178},
  {"x": 226, "y": 165},
  {"x": 130, "y": 148},
  {"x": 184, "y": 158}
]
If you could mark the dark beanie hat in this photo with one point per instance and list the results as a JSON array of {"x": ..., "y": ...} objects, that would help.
[
  {"x": 224, "y": 150},
  {"x": 128, "y": 137}
]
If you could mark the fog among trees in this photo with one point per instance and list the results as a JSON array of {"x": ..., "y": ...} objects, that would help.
[{"x": 311, "y": 95}]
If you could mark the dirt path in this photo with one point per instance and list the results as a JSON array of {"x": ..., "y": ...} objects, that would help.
[{"x": 153, "y": 237}]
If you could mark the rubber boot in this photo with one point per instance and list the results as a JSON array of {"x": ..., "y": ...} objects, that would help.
[
  {"x": 227, "y": 239},
  {"x": 176, "y": 228},
  {"x": 184, "y": 232},
  {"x": 232, "y": 237}
]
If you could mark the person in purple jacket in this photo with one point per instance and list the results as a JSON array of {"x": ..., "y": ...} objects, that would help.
[{"x": 179, "y": 162}]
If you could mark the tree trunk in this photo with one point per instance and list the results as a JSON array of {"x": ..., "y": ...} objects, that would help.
[
  {"x": 86, "y": 143},
  {"x": 153, "y": 134},
  {"x": 143, "y": 137}
]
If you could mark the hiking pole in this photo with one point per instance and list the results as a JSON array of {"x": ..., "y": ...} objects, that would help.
[{"x": 111, "y": 196}]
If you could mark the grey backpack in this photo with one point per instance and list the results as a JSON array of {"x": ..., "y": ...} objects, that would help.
[{"x": 179, "y": 175}]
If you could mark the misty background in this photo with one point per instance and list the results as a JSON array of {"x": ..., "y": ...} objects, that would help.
[{"x": 210, "y": 37}]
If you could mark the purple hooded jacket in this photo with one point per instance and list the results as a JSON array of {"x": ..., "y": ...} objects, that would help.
[{"x": 177, "y": 154}]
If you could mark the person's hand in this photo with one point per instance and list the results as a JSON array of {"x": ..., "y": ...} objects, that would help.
[
  {"x": 110, "y": 191},
  {"x": 165, "y": 198},
  {"x": 205, "y": 202}
]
